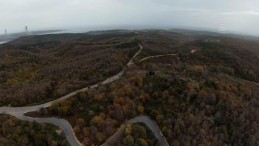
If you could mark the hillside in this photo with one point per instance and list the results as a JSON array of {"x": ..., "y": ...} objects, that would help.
[
  {"x": 206, "y": 94},
  {"x": 35, "y": 69}
]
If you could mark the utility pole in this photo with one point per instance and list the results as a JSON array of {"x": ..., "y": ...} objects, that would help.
[{"x": 5, "y": 35}]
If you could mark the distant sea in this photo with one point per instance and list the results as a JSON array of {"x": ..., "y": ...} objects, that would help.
[
  {"x": 2, "y": 42},
  {"x": 17, "y": 35},
  {"x": 70, "y": 30},
  {"x": 45, "y": 32}
]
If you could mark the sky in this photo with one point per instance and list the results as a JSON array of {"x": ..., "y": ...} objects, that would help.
[{"x": 240, "y": 16}]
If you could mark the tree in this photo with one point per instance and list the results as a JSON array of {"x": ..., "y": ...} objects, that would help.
[
  {"x": 128, "y": 130},
  {"x": 154, "y": 113},
  {"x": 64, "y": 110},
  {"x": 141, "y": 142},
  {"x": 159, "y": 118},
  {"x": 128, "y": 140},
  {"x": 86, "y": 131},
  {"x": 139, "y": 131},
  {"x": 142, "y": 131},
  {"x": 80, "y": 122},
  {"x": 142, "y": 97},
  {"x": 140, "y": 109},
  {"x": 98, "y": 97},
  {"x": 54, "y": 106},
  {"x": 96, "y": 121},
  {"x": 54, "y": 143},
  {"x": 118, "y": 112},
  {"x": 100, "y": 137},
  {"x": 82, "y": 95},
  {"x": 76, "y": 130}
]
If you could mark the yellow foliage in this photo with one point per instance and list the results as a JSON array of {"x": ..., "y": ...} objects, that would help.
[
  {"x": 128, "y": 130},
  {"x": 140, "y": 109},
  {"x": 86, "y": 131}
]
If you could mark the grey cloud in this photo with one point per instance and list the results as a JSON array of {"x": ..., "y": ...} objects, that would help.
[{"x": 47, "y": 14}]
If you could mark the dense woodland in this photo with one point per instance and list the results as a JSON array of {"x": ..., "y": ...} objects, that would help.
[
  {"x": 39, "y": 68},
  {"x": 14, "y": 132},
  {"x": 137, "y": 134},
  {"x": 207, "y": 98}
]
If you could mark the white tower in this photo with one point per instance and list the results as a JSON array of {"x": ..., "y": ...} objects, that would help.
[
  {"x": 26, "y": 31},
  {"x": 5, "y": 35}
]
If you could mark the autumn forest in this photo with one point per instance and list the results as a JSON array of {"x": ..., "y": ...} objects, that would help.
[{"x": 206, "y": 93}]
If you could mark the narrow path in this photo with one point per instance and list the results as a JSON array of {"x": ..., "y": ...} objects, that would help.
[
  {"x": 131, "y": 60},
  {"x": 156, "y": 56},
  {"x": 18, "y": 112},
  {"x": 140, "y": 119}
]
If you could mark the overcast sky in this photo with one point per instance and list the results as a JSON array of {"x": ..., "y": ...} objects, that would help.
[{"x": 232, "y": 15}]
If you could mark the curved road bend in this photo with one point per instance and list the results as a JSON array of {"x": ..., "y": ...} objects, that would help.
[
  {"x": 140, "y": 119},
  {"x": 18, "y": 112},
  {"x": 61, "y": 123}
]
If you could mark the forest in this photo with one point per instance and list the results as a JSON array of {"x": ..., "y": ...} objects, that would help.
[
  {"x": 207, "y": 94},
  {"x": 37, "y": 69},
  {"x": 137, "y": 134},
  {"x": 205, "y": 98},
  {"x": 14, "y": 132}
]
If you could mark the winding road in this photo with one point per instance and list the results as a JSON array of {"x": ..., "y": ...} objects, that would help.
[
  {"x": 140, "y": 119},
  {"x": 63, "y": 124},
  {"x": 19, "y": 112}
]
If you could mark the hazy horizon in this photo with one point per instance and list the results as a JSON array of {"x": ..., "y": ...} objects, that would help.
[{"x": 233, "y": 16}]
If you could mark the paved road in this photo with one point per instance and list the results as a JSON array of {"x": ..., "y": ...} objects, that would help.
[
  {"x": 131, "y": 60},
  {"x": 140, "y": 119},
  {"x": 156, "y": 56},
  {"x": 18, "y": 112},
  {"x": 61, "y": 123}
]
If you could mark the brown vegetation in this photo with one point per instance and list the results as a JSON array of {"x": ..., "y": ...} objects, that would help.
[
  {"x": 14, "y": 132},
  {"x": 206, "y": 98},
  {"x": 41, "y": 68}
]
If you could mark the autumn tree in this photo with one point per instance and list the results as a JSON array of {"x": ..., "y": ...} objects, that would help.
[
  {"x": 128, "y": 129},
  {"x": 129, "y": 140},
  {"x": 141, "y": 142}
]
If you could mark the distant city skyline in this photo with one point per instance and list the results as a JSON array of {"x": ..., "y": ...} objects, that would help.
[{"x": 237, "y": 16}]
